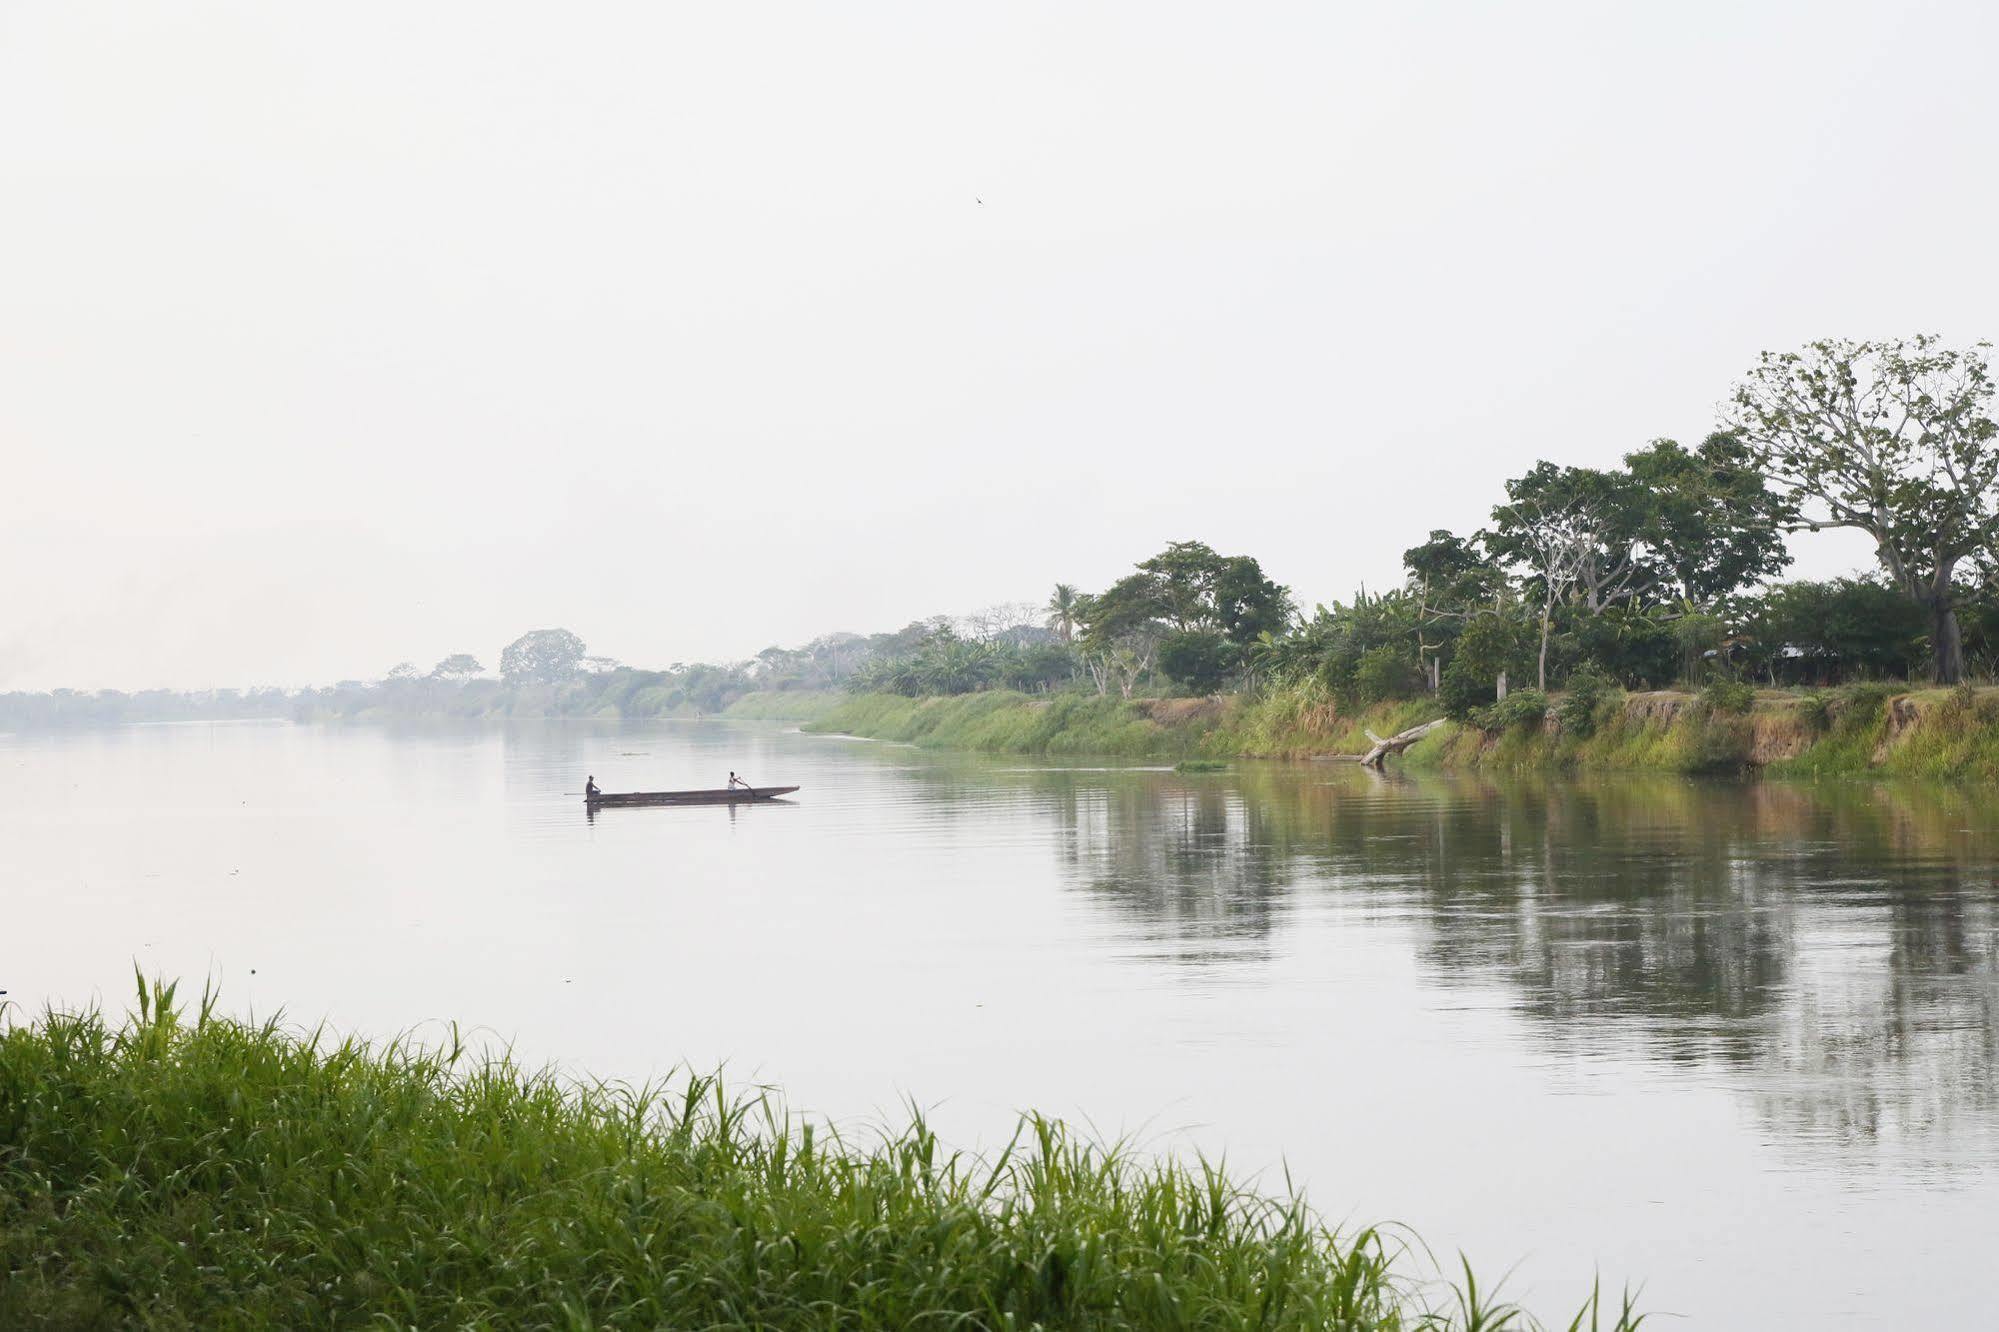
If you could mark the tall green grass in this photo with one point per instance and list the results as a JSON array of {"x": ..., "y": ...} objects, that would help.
[
  {"x": 797, "y": 705},
  {"x": 1278, "y": 724},
  {"x": 1954, "y": 735},
  {"x": 177, "y": 1171},
  {"x": 1856, "y": 730},
  {"x": 1002, "y": 722}
]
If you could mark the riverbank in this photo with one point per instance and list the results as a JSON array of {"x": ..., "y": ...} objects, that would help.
[
  {"x": 1853, "y": 731},
  {"x": 202, "y": 1172}
]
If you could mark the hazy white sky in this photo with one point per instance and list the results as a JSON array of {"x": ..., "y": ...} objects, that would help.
[{"x": 337, "y": 334}]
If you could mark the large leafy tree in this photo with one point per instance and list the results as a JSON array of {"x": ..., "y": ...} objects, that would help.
[
  {"x": 1673, "y": 532},
  {"x": 1450, "y": 572},
  {"x": 457, "y": 666},
  {"x": 541, "y": 656},
  {"x": 1709, "y": 517},
  {"x": 1452, "y": 580},
  {"x": 1198, "y": 660},
  {"x": 1247, "y": 604},
  {"x": 1211, "y": 608},
  {"x": 1189, "y": 586},
  {"x": 1894, "y": 439},
  {"x": 1122, "y": 631},
  {"x": 1578, "y": 535},
  {"x": 1598, "y": 520}
]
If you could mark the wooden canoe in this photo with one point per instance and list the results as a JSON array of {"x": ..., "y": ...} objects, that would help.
[{"x": 728, "y": 795}]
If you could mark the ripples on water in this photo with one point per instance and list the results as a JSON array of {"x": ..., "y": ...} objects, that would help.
[{"x": 1740, "y": 1039}]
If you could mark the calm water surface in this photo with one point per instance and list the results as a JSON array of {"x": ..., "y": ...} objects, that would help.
[{"x": 1738, "y": 1041}]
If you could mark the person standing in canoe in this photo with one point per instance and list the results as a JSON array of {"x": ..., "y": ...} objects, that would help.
[{"x": 590, "y": 791}]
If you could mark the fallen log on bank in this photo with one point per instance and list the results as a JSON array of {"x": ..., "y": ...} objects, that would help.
[{"x": 1394, "y": 744}]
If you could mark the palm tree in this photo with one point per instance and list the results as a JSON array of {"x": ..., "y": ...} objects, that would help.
[{"x": 1062, "y": 609}]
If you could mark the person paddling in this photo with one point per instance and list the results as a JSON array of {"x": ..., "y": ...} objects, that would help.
[{"x": 735, "y": 781}]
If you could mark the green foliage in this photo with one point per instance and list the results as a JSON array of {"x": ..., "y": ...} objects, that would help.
[
  {"x": 1712, "y": 522},
  {"x": 112, "y": 707},
  {"x": 1464, "y": 690},
  {"x": 1855, "y": 723},
  {"x": 1386, "y": 672},
  {"x": 1838, "y": 628},
  {"x": 1198, "y": 615},
  {"x": 1894, "y": 438},
  {"x": 1197, "y": 660},
  {"x": 1489, "y": 645},
  {"x": 1728, "y": 698},
  {"x": 792, "y": 705},
  {"x": 1522, "y": 709},
  {"x": 541, "y": 656},
  {"x": 1955, "y": 736},
  {"x": 1815, "y": 712},
  {"x": 1577, "y": 533},
  {"x": 457, "y": 666},
  {"x": 1189, "y": 586},
  {"x": 1063, "y": 609},
  {"x": 1450, "y": 572},
  {"x": 1697, "y": 635},
  {"x": 1327, "y": 649},
  {"x": 942, "y": 663},
  {"x": 1002, "y": 722},
  {"x": 1634, "y": 644},
  {"x": 1587, "y": 690},
  {"x": 194, "y": 1171}
]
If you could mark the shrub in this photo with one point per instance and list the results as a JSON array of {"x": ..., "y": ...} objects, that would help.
[
  {"x": 1728, "y": 698},
  {"x": 1587, "y": 688},
  {"x": 1386, "y": 672},
  {"x": 1869, "y": 695},
  {"x": 1196, "y": 660},
  {"x": 1464, "y": 689},
  {"x": 1815, "y": 711},
  {"x": 1523, "y": 709},
  {"x": 1964, "y": 707}
]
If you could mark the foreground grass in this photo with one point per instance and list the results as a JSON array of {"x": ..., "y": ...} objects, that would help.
[{"x": 199, "y": 1172}]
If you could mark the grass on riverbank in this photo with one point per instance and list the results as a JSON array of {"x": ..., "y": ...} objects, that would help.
[
  {"x": 1280, "y": 724},
  {"x": 200, "y": 1172},
  {"x": 1001, "y": 722},
  {"x": 1869, "y": 729},
  {"x": 792, "y": 705}
]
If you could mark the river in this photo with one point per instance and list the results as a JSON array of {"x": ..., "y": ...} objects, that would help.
[{"x": 1738, "y": 1041}]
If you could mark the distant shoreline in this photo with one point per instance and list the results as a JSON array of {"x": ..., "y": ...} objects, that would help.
[{"x": 1873, "y": 729}]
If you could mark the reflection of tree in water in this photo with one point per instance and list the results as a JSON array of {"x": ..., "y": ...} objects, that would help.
[
  {"x": 1835, "y": 945},
  {"x": 1905, "y": 1046},
  {"x": 1184, "y": 863}
]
